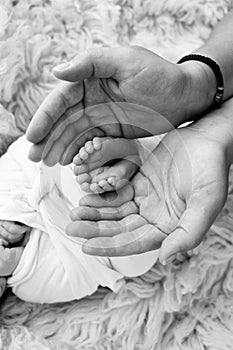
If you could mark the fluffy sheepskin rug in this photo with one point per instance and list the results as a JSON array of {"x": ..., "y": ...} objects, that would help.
[{"x": 186, "y": 305}]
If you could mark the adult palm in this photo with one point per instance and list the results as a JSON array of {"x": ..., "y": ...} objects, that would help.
[
  {"x": 173, "y": 201},
  {"x": 69, "y": 116}
]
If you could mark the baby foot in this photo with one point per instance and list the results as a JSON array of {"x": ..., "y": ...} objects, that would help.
[
  {"x": 106, "y": 164},
  {"x": 10, "y": 233}
]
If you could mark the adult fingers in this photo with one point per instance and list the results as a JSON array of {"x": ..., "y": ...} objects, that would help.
[
  {"x": 61, "y": 136},
  {"x": 97, "y": 63},
  {"x": 105, "y": 228},
  {"x": 64, "y": 96},
  {"x": 70, "y": 132},
  {"x": 143, "y": 239},
  {"x": 109, "y": 199},
  {"x": 107, "y": 213},
  {"x": 193, "y": 225}
]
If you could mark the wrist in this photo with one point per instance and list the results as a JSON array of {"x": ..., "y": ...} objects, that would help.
[
  {"x": 201, "y": 86},
  {"x": 218, "y": 127}
]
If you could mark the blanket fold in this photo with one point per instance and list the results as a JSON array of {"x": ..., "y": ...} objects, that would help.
[{"x": 53, "y": 267}]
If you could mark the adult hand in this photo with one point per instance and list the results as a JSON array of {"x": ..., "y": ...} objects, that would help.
[
  {"x": 99, "y": 76},
  {"x": 178, "y": 193}
]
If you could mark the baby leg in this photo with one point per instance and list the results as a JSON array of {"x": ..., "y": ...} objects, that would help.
[
  {"x": 105, "y": 164},
  {"x": 10, "y": 254}
]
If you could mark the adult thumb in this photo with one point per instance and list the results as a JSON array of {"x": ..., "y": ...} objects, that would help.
[
  {"x": 193, "y": 225},
  {"x": 96, "y": 63}
]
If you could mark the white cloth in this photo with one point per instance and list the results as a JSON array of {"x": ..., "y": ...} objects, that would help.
[{"x": 53, "y": 267}]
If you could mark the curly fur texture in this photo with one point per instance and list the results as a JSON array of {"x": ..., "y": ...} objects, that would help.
[{"x": 184, "y": 305}]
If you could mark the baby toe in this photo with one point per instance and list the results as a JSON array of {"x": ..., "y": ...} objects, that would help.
[
  {"x": 95, "y": 187},
  {"x": 85, "y": 187},
  {"x": 105, "y": 185},
  {"x": 83, "y": 178},
  {"x": 112, "y": 181},
  {"x": 77, "y": 160},
  {"x": 80, "y": 169},
  {"x": 83, "y": 153},
  {"x": 89, "y": 147},
  {"x": 97, "y": 143}
]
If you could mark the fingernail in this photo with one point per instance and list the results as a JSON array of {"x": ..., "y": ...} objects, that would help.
[
  {"x": 168, "y": 259},
  {"x": 62, "y": 66},
  {"x": 162, "y": 262}
]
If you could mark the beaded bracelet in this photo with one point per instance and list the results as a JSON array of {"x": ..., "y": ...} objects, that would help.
[{"x": 216, "y": 69}]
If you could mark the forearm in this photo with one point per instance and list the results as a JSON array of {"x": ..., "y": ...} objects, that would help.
[
  {"x": 219, "y": 47},
  {"x": 217, "y": 125}
]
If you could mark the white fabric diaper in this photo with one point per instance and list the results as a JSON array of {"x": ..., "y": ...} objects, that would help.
[{"x": 53, "y": 267}]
